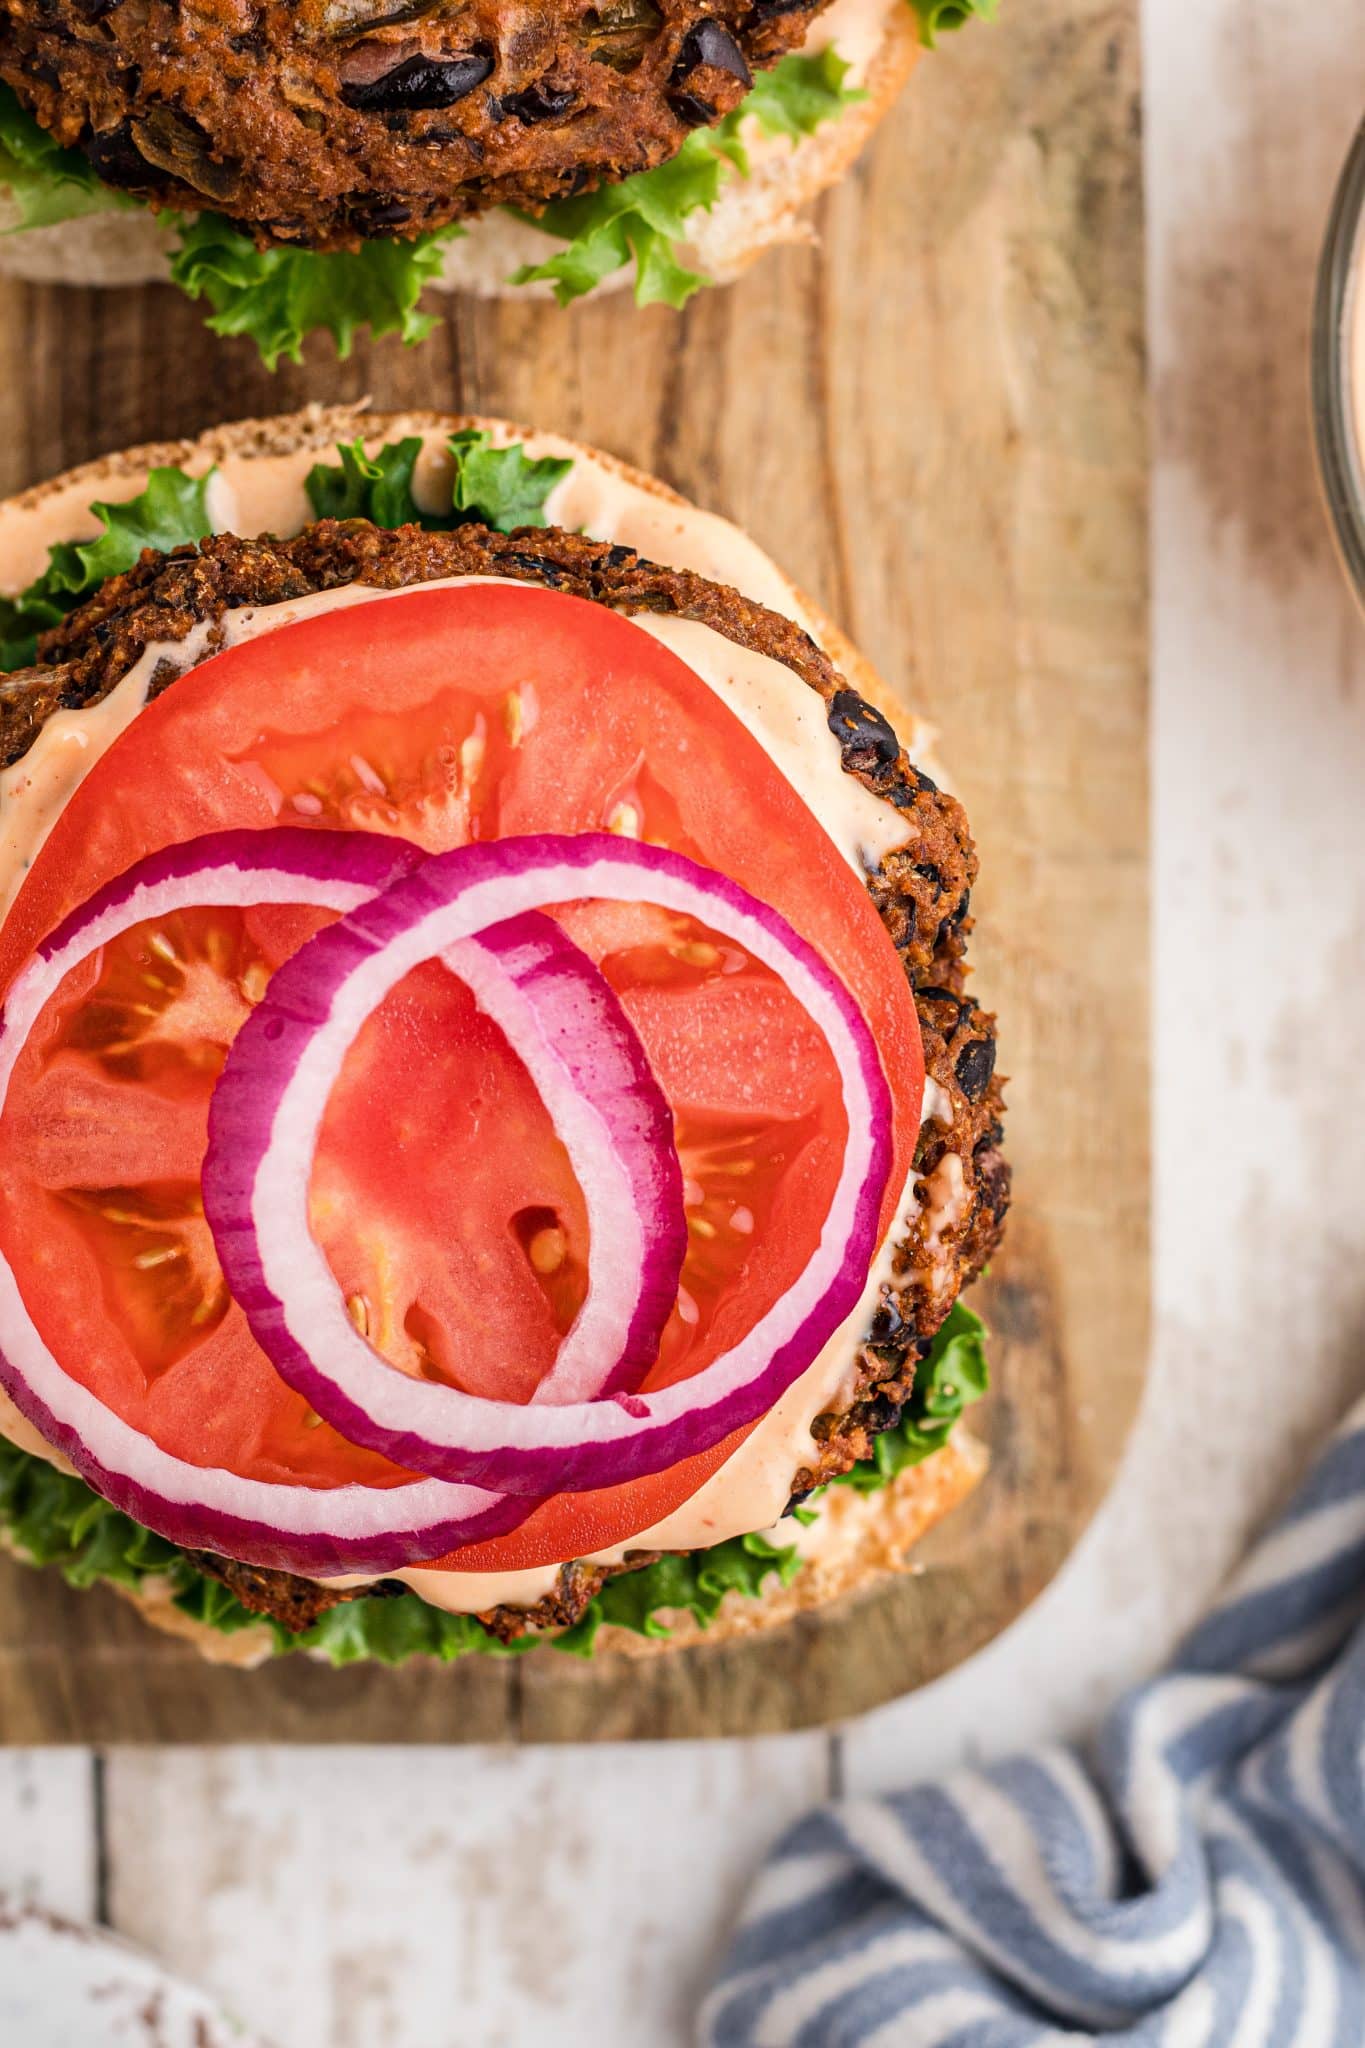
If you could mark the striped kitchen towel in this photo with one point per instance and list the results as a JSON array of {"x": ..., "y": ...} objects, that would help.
[{"x": 1198, "y": 1883}]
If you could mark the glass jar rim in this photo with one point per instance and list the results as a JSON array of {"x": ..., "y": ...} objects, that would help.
[{"x": 1337, "y": 429}]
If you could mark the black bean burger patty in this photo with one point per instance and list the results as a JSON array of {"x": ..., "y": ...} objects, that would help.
[
  {"x": 922, "y": 892},
  {"x": 323, "y": 122}
]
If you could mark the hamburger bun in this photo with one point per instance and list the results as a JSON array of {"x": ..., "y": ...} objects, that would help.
[{"x": 859, "y": 1537}]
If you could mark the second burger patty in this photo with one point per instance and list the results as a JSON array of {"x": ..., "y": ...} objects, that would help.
[
  {"x": 922, "y": 893},
  {"x": 323, "y": 122}
]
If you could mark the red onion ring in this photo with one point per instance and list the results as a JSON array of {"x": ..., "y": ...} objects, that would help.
[
  {"x": 291, "y": 1528},
  {"x": 287, "y": 1058},
  {"x": 570, "y": 1032}
]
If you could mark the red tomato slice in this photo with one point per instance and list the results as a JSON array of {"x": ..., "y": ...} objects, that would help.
[{"x": 441, "y": 1192}]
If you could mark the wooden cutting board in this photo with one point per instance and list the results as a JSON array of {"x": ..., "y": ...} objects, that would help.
[{"x": 934, "y": 418}]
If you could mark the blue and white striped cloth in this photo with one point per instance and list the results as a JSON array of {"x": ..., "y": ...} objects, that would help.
[{"x": 1199, "y": 1884}]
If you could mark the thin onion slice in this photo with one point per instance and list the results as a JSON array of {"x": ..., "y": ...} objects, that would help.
[
  {"x": 290, "y": 1528},
  {"x": 288, "y": 1057},
  {"x": 568, "y": 1028}
]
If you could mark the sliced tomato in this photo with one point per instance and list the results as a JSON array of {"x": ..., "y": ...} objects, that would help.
[{"x": 441, "y": 1193}]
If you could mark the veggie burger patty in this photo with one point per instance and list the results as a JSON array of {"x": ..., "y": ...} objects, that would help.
[
  {"x": 327, "y": 122},
  {"x": 922, "y": 894}
]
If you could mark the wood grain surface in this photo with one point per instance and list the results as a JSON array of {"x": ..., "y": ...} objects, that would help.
[{"x": 935, "y": 420}]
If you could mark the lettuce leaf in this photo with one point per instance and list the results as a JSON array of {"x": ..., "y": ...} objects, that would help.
[
  {"x": 696, "y": 1584},
  {"x": 46, "y": 182},
  {"x": 279, "y": 296},
  {"x": 500, "y": 487},
  {"x": 797, "y": 96},
  {"x": 376, "y": 487},
  {"x": 645, "y": 216},
  {"x": 937, "y": 17},
  {"x": 953, "y": 1375},
  {"x": 642, "y": 217},
  {"x": 172, "y": 510},
  {"x": 54, "y": 1518},
  {"x": 390, "y": 1630}
]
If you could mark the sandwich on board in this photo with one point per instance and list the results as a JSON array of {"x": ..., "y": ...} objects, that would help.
[
  {"x": 493, "y": 1127},
  {"x": 314, "y": 166}
]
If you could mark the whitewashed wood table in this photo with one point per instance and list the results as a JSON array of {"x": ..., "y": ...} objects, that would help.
[{"x": 487, "y": 1899}]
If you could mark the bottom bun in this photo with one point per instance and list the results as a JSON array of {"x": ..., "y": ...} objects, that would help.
[{"x": 859, "y": 1538}]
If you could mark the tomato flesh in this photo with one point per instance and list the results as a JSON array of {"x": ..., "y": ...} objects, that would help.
[{"x": 441, "y": 1193}]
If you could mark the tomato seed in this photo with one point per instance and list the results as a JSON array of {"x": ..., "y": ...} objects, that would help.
[
  {"x": 472, "y": 751},
  {"x": 207, "y": 1309},
  {"x": 547, "y": 1250},
  {"x": 696, "y": 953}
]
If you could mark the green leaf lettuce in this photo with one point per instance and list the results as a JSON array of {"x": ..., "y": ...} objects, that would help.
[
  {"x": 937, "y": 17},
  {"x": 361, "y": 486},
  {"x": 953, "y": 1375},
  {"x": 172, "y": 510},
  {"x": 646, "y": 216},
  {"x": 503, "y": 487},
  {"x": 279, "y": 296},
  {"x": 49, "y": 1517},
  {"x": 797, "y": 96},
  {"x": 500, "y": 487},
  {"x": 45, "y": 182}
]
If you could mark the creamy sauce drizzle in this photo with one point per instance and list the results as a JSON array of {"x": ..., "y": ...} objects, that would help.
[
  {"x": 254, "y": 495},
  {"x": 36, "y": 790}
]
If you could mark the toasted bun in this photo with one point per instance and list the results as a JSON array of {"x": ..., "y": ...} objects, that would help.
[
  {"x": 863, "y": 1536},
  {"x": 752, "y": 214}
]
